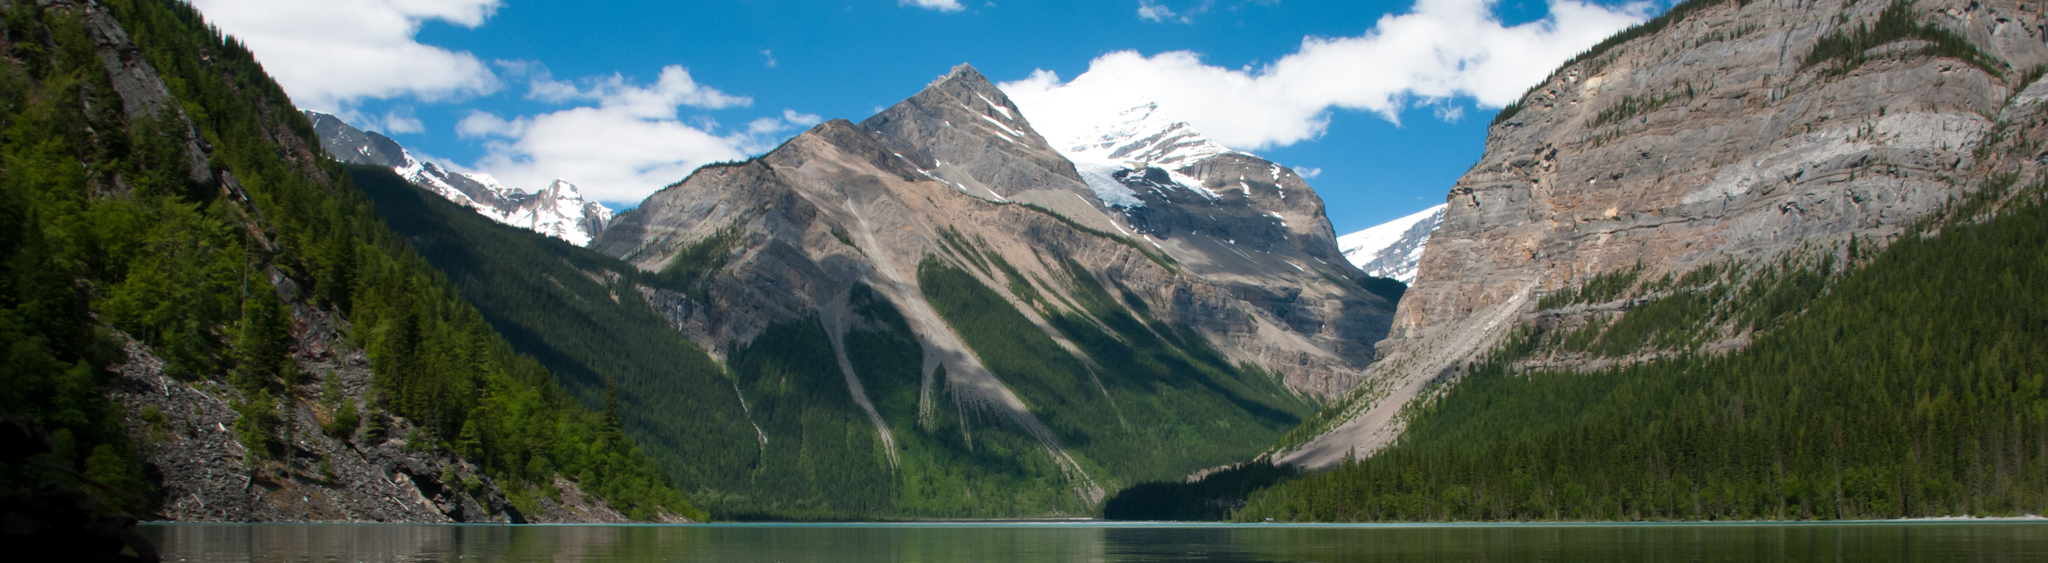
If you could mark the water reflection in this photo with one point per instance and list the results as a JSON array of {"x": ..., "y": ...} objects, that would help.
[{"x": 1987, "y": 542}]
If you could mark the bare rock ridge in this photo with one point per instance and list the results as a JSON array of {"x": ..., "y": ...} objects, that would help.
[
  {"x": 559, "y": 210},
  {"x": 1715, "y": 137}
]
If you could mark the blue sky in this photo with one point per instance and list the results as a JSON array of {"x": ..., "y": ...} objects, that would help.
[{"x": 624, "y": 97}]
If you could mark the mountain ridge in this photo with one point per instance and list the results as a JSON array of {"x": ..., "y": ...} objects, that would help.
[
  {"x": 1024, "y": 309},
  {"x": 558, "y": 210}
]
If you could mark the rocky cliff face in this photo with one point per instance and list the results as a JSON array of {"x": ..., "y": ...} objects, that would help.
[
  {"x": 558, "y": 210},
  {"x": 1728, "y": 131}
]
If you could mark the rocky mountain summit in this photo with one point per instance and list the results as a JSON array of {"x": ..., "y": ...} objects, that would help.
[
  {"x": 558, "y": 210},
  {"x": 1722, "y": 132},
  {"x": 1261, "y": 236},
  {"x": 951, "y": 194}
]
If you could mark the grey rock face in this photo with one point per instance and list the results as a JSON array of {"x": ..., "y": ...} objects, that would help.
[
  {"x": 1257, "y": 230},
  {"x": 348, "y": 144},
  {"x": 142, "y": 91},
  {"x": 1707, "y": 141},
  {"x": 965, "y": 122}
]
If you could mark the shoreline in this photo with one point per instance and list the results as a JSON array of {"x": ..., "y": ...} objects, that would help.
[{"x": 1082, "y": 523}]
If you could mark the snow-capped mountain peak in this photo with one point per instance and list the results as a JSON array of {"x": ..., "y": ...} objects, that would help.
[
  {"x": 1145, "y": 138},
  {"x": 1392, "y": 249},
  {"x": 1142, "y": 138},
  {"x": 558, "y": 210}
]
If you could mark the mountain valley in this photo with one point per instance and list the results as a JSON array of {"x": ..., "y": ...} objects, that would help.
[{"x": 1753, "y": 259}]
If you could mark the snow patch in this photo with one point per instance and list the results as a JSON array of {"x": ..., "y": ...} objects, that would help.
[{"x": 1394, "y": 249}]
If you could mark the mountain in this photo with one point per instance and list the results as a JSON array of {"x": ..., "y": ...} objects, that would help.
[
  {"x": 1687, "y": 188},
  {"x": 1243, "y": 223},
  {"x": 558, "y": 210},
  {"x": 938, "y": 304},
  {"x": 1392, "y": 249},
  {"x": 202, "y": 318}
]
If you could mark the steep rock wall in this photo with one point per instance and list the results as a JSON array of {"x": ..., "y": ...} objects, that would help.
[{"x": 1709, "y": 139}]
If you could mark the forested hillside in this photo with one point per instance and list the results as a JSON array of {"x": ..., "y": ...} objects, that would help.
[
  {"x": 1910, "y": 385},
  {"x": 195, "y": 215}
]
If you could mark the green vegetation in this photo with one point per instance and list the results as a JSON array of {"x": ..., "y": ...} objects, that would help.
[
  {"x": 582, "y": 315},
  {"x": 690, "y": 271},
  {"x": 1631, "y": 106},
  {"x": 1909, "y": 386},
  {"x": 1212, "y": 498},
  {"x": 1604, "y": 287},
  {"x": 1847, "y": 49},
  {"x": 1387, "y": 288},
  {"x": 109, "y": 232},
  {"x": 1151, "y": 401},
  {"x": 823, "y": 459},
  {"x": 817, "y": 456}
]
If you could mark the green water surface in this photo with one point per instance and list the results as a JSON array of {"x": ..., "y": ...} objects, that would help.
[{"x": 1033, "y": 542}]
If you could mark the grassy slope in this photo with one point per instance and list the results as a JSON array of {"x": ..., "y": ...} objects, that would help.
[{"x": 1173, "y": 405}]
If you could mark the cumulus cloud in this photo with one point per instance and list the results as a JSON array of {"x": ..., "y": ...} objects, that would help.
[
  {"x": 623, "y": 140},
  {"x": 1439, "y": 51},
  {"x": 328, "y": 53},
  {"x": 939, "y": 5}
]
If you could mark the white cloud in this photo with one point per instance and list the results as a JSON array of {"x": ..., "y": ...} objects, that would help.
[
  {"x": 1442, "y": 49},
  {"x": 939, "y": 5},
  {"x": 626, "y": 142},
  {"x": 330, "y": 53},
  {"x": 1149, "y": 10},
  {"x": 1307, "y": 172},
  {"x": 1155, "y": 10},
  {"x": 673, "y": 88},
  {"x": 398, "y": 121},
  {"x": 401, "y": 121}
]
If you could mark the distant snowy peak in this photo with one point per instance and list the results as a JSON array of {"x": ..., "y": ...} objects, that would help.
[
  {"x": 559, "y": 210},
  {"x": 1393, "y": 249},
  {"x": 1145, "y": 138}
]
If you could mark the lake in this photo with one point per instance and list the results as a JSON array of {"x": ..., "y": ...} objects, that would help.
[{"x": 2016, "y": 541}]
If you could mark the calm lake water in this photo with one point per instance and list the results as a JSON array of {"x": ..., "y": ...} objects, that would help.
[{"x": 798, "y": 543}]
